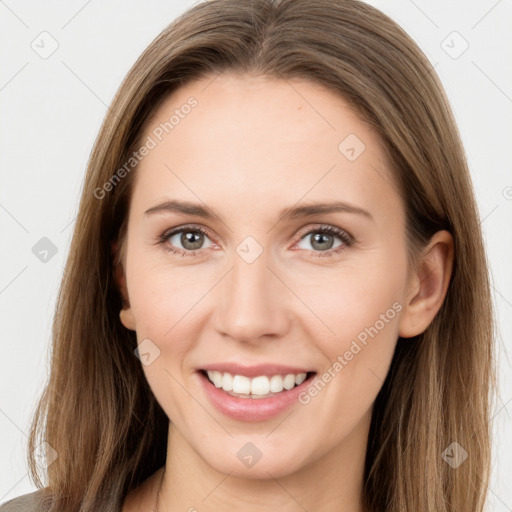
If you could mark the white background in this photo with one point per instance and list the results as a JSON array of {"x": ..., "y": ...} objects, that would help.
[{"x": 52, "y": 110}]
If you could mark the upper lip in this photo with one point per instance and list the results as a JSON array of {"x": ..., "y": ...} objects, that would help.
[{"x": 255, "y": 370}]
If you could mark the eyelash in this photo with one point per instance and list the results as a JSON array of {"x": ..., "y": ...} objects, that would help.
[{"x": 348, "y": 240}]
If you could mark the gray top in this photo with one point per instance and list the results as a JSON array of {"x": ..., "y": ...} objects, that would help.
[{"x": 32, "y": 502}]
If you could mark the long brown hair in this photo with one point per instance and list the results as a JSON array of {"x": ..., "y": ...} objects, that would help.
[{"x": 98, "y": 411}]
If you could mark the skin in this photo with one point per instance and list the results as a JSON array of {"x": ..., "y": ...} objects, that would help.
[{"x": 276, "y": 141}]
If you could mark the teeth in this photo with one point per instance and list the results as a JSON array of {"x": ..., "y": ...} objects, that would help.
[
  {"x": 258, "y": 386},
  {"x": 300, "y": 378},
  {"x": 216, "y": 378},
  {"x": 227, "y": 382},
  {"x": 276, "y": 384},
  {"x": 289, "y": 381},
  {"x": 241, "y": 384}
]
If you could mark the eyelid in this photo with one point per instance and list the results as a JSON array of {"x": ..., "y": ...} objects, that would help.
[{"x": 184, "y": 227}]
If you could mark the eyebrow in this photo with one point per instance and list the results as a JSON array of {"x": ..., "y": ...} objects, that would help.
[{"x": 293, "y": 212}]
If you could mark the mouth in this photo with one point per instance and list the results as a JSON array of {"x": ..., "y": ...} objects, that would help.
[
  {"x": 256, "y": 386},
  {"x": 256, "y": 392}
]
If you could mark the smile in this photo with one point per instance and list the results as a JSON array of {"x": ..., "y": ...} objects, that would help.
[
  {"x": 261, "y": 386},
  {"x": 255, "y": 393}
]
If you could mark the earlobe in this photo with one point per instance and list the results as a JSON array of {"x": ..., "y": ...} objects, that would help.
[
  {"x": 428, "y": 286},
  {"x": 127, "y": 318}
]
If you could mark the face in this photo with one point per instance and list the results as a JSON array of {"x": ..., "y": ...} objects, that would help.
[{"x": 234, "y": 264}]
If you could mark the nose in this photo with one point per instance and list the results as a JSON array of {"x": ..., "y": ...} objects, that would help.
[{"x": 252, "y": 303}]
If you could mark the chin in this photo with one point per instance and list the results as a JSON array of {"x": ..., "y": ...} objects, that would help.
[{"x": 249, "y": 458}]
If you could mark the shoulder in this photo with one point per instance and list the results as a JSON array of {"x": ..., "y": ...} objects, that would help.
[{"x": 32, "y": 502}]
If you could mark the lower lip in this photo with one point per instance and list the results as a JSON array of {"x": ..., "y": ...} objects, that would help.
[{"x": 251, "y": 409}]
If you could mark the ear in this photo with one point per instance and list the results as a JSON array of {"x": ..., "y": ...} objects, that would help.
[
  {"x": 126, "y": 314},
  {"x": 427, "y": 285}
]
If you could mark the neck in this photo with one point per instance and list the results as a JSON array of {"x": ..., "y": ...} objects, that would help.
[{"x": 332, "y": 482}]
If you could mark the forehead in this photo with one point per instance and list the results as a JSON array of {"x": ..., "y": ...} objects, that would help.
[{"x": 239, "y": 140}]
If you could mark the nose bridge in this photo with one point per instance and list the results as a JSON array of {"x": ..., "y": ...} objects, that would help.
[{"x": 251, "y": 305}]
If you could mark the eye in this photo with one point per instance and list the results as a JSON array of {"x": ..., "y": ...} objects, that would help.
[
  {"x": 186, "y": 240},
  {"x": 326, "y": 239}
]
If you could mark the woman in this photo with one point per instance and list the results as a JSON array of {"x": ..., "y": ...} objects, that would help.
[{"x": 276, "y": 292}]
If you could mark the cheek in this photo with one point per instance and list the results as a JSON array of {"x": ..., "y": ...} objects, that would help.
[
  {"x": 167, "y": 306},
  {"x": 357, "y": 360},
  {"x": 166, "y": 298},
  {"x": 359, "y": 300},
  {"x": 360, "y": 309}
]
